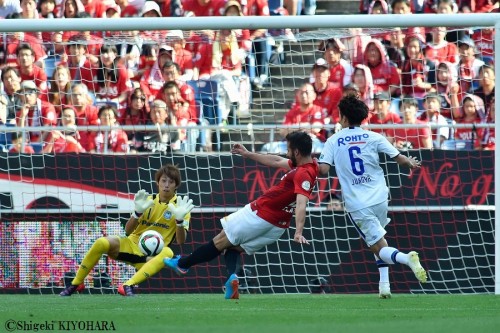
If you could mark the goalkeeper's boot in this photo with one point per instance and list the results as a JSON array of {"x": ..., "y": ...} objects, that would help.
[
  {"x": 384, "y": 290},
  {"x": 70, "y": 290},
  {"x": 232, "y": 285},
  {"x": 125, "y": 290},
  {"x": 416, "y": 267},
  {"x": 173, "y": 263}
]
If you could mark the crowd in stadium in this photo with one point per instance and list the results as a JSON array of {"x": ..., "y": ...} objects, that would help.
[{"x": 413, "y": 76}]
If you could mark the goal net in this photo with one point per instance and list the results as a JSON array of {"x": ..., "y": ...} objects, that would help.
[{"x": 55, "y": 204}]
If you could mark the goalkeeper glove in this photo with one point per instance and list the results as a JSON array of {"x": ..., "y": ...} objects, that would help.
[
  {"x": 184, "y": 206},
  {"x": 141, "y": 203}
]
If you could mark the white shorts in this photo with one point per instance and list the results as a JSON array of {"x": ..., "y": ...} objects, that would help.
[
  {"x": 246, "y": 229},
  {"x": 370, "y": 222}
]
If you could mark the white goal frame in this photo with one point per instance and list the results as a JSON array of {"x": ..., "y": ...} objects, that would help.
[{"x": 298, "y": 22}]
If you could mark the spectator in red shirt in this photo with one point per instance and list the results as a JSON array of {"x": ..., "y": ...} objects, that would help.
[
  {"x": 47, "y": 9},
  {"x": 468, "y": 66},
  {"x": 416, "y": 73},
  {"x": 181, "y": 56},
  {"x": 86, "y": 113},
  {"x": 65, "y": 141},
  {"x": 79, "y": 65},
  {"x": 327, "y": 95},
  {"x": 18, "y": 38},
  {"x": 340, "y": 69},
  {"x": 305, "y": 114},
  {"x": 29, "y": 11},
  {"x": 152, "y": 81},
  {"x": 439, "y": 50},
  {"x": 136, "y": 113},
  {"x": 171, "y": 72},
  {"x": 488, "y": 139},
  {"x": 152, "y": 9},
  {"x": 127, "y": 10},
  {"x": 412, "y": 138},
  {"x": 473, "y": 109},
  {"x": 179, "y": 115},
  {"x": 71, "y": 8},
  {"x": 109, "y": 140},
  {"x": 447, "y": 87},
  {"x": 35, "y": 112},
  {"x": 363, "y": 80},
  {"x": 28, "y": 70},
  {"x": 382, "y": 115},
  {"x": 17, "y": 142},
  {"x": 111, "y": 81},
  {"x": 60, "y": 87},
  {"x": 385, "y": 75},
  {"x": 204, "y": 7},
  {"x": 96, "y": 8},
  {"x": 484, "y": 39}
]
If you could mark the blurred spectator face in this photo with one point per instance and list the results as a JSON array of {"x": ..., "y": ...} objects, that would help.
[
  {"x": 108, "y": 57},
  {"x": 321, "y": 75},
  {"x": 79, "y": 97},
  {"x": 70, "y": 9},
  {"x": 232, "y": 11},
  {"x": 107, "y": 117},
  {"x": 443, "y": 75},
  {"x": 413, "y": 49},
  {"x": 374, "y": 56},
  {"x": 377, "y": 9},
  {"x": 381, "y": 108},
  {"x": 47, "y": 6},
  {"x": 61, "y": 76},
  {"x": 138, "y": 100},
  {"x": 438, "y": 34},
  {"x": 170, "y": 73},
  {"x": 444, "y": 8},
  {"x": 28, "y": 7},
  {"x": 409, "y": 112},
  {"x": 335, "y": 204},
  {"x": 486, "y": 76},
  {"x": 164, "y": 56},
  {"x": 466, "y": 52},
  {"x": 401, "y": 8},
  {"x": 171, "y": 95},
  {"x": 68, "y": 117},
  {"x": 29, "y": 97},
  {"x": 25, "y": 58},
  {"x": 306, "y": 95},
  {"x": 469, "y": 108},
  {"x": 433, "y": 105},
  {"x": 203, "y": 3},
  {"x": 158, "y": 114},
  {"x": 76, "y": 51},
  {"x": 359, "y": 79},
  {"x": 111, "y": 13},
  {"x": 11, "y": 82},
  {"x": 397, "y": 37},
  {"x": 332, "y": 54}
]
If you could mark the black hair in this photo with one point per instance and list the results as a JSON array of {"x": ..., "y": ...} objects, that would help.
[
  {"x": 354, "y": 109},
  {"x": 24, "y": 46},
  {"x": 169, "y": 64},
  {"x": 106, "y": 108},
  {"x": 170, "y": 84},
  {"x": 300, "y": 141},
  {"x": 102, "y": 71},
  {"x": 9, "y": 69}
]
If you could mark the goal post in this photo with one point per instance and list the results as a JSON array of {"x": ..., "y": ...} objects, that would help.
[{"x": 451, "y": 198}]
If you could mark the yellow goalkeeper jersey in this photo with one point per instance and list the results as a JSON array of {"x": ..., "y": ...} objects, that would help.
[{"x": 159, "y": 218}]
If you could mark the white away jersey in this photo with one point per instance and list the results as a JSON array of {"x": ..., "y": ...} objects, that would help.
[{"x": 355, "y": 154}]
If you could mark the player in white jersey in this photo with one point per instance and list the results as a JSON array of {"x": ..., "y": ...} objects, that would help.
[{"x": 355, "y": 154}]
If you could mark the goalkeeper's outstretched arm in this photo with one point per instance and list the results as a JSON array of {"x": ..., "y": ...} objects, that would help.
[{"x": 266, "y": 159}]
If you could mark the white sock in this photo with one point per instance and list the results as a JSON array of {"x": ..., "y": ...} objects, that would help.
[
  {"x": 392, "y": 255},
  {"x": 383, "y": 270}
]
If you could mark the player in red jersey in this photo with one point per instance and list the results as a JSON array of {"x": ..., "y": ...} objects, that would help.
[{"x": 264, "y": 220}]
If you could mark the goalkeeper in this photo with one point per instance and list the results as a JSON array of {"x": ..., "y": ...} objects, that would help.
[
  {"x": 164, "y": 212},
  {"x": 264, "y": 220}
]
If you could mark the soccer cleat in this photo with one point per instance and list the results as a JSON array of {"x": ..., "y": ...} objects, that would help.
[
  {"x": 68, "y": 291},
  {"x": 384, "y": 290},
  {"x": 416, "y": 267},
  {"x": 232, "y": 284},
  {"x": 173, "y": 263},
  {"x": 125, "y": 290}
]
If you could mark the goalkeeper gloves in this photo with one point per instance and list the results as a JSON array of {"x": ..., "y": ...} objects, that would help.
[
  {"x": 141, "y": 203},
  {"x": 184, "y": 206}
]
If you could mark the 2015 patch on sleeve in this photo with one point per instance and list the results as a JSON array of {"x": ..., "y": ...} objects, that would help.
[{"x": 306, "y": 185}]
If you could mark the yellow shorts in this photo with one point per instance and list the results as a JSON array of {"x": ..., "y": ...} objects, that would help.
[{"x": 130, "y": 253}]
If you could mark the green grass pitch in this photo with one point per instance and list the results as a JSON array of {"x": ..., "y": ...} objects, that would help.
[{"x": 199, "y": 313}]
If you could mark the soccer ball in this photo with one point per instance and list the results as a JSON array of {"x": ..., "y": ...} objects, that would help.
[{"x": 151, "y": 243}]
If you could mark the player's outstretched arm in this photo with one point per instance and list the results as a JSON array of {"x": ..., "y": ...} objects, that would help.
[
  {"x": 266, "y": 159},
  {"x": 410, "y": 162},
  {"x": 300, "y": 218}
]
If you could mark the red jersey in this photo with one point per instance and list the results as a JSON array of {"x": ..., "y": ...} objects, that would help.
[
  {"x": 277, "y": 204},
  {"x": 61, "y": 145},
  {"x": 117, "y": 141},
  {"x": 12, "y": 44},
  {"x": 390, "y": 118},
  {"x": 415, "y": 136},
  {"x": 27, "y": 150},
  {"x": 43, "y": 114},
  {"x": 213, "y": 8},
  {"x": 111, "y": 90},
  {"x": 204, "y": 60},
  {"x": 488, "y": 140},
  {"x": 187, "y": 94},
  {"x": 328, "y": 100},
  {"x": 384, "y": 76},
  {"x": 296, "y": 116},
  {"x": 337, "y": 74},
  {"x": 86, "y": 117},
  {"x": 38, "y": 76},
  {"x": 484, "y": 41},
  {"x": 443, "y": 52},
  {"x": 184, "y": 59},
  {"x": 474, "y": 135},
  {"x": 256, "y": 8}
]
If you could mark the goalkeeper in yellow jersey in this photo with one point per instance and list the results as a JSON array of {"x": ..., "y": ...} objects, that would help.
[{"x": 164, "y": 212}]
